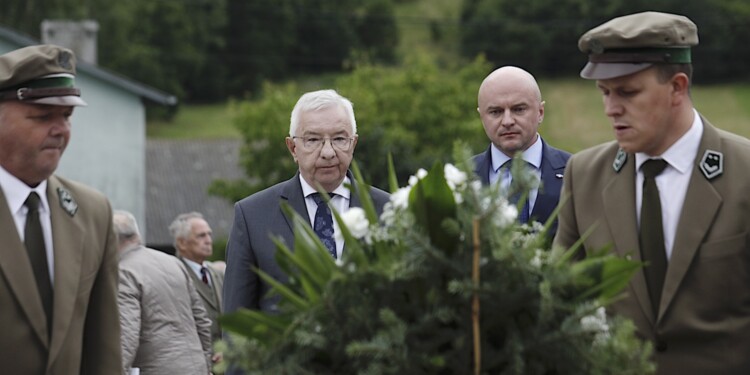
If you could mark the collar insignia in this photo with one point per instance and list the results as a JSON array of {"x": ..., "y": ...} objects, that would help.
[
  {"x": 67, "y": 202},
  {"x": 620, "y": 160},
  {"x": 712, "y": 164}
]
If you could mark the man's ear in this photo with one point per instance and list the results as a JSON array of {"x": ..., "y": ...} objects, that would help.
[
  {"x": 680, "y": 87},
  {"x": 292, "y": 147}
]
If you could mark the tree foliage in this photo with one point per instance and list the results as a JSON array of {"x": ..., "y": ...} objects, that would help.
[
  {"x": 204, "y": 50},
  {"x": 413, "y": 113},
  {"x": 542, "y": 36}
]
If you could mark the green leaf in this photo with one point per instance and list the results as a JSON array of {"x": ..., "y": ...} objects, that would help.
[
  {"x": 255, "y": 324},
  {"x": 392, "y": 180},
  {"x": 431, "y": 200},
  {"x": 363, "y": 192}
]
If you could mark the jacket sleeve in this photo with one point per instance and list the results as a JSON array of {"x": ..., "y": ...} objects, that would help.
[
  {"x": 202, "y": 322},
  {"x": 101, "y": 352},
  {"x": 129, "y": 302}
]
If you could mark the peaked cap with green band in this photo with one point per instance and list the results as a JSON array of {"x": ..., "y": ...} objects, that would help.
[
  {"x": 629, "y": 44},
  {"x": 42, "y": 74}
]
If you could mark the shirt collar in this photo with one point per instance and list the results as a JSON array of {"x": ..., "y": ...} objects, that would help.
[
  {"x": 532, "y": 155},
  {"x": 341, "y": 190},
  {"x": 680, "y": 155},
  {"x": 194, "y": 265},
  {"x": 16, "y": 191}
]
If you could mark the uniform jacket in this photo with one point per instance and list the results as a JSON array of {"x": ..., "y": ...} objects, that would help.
[
  {"x": 210, "y": 295},
  {"x": 85, "y": 335},
  {"x": 553, "y": 167},
  {"x": 256, "y": 219},
  {"x": 703, "y": 323},
  {"x": 165, "y": 329}
]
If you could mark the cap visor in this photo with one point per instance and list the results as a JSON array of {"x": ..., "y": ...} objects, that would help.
[
  {"x": 611, "y": 70},
  {"x": 59, "y": 100}
]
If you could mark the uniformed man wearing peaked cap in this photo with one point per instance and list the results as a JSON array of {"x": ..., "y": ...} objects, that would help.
[
  {"x": 58, "y": 261},
  {"x": 670, "y": 191},
  {"x": 41, "y": 74}
]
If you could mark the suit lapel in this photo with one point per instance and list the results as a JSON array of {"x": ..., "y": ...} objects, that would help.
[
  {"x": 218, "y": 284},
  {"x": 203, "y": 290},
  {"x": 67, "y": 236},
  {"x": 700, "y": 197},
  {"x": 482, "y": 166},
  {"x": 291, "y": 192},
  {"x": 548, "y": 194},
  {"x": 16, "y": 267},
  {"x": 622, "y": 222}
]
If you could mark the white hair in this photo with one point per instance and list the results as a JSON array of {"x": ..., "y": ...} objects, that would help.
[{"x": 321, "y": 99}]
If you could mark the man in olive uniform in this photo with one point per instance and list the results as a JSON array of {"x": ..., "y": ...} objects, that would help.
[
  {"x": 58, "y": 254},
  {"x": 671, "y": 191}
]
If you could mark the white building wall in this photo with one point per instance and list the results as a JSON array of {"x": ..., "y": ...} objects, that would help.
[{"x": 107, "y": 146}]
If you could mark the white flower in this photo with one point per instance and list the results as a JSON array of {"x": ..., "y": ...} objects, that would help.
[
  {"x": 505, "y": 214},
  {"x": 356, "y": 220},
  {"x": 537, "y": 260},
  {"x": 596, "y": 323},
  {"x": 421, "y": 173},
  {"x": 454, "y": 177},
  {"x": 400, "y": 198}
]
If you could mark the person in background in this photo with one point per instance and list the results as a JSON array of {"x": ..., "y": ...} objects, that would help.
[
  {"x": 511, "y": 108},
  {"x": 58, "y": 254},
  {"x": 671, "y": 191},
  {"x": 165, "y": 328},
  {"x": 193, "y": 242}
]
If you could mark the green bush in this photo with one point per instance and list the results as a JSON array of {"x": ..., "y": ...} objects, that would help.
[{"x": 414, "y": 113}]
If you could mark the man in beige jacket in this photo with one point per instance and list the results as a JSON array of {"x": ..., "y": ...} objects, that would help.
[{"x": 165, "y": 328}]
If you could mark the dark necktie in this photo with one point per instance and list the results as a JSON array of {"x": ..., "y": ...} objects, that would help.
[
  {"x": 652, "y": 232},
  {"x": 34, "y": 241},
  {"x": 523, "y": 213},
  {"x": 204, "y": 275},
  {"x": 323, "y": 225}
]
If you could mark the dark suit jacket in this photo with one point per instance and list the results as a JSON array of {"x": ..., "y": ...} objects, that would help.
[
  {"x": 553, "y": 167},
  {"x": 256, "y": 219},
  {"x": 703, "y": 324},
  {"x": 85, "y": 328}
]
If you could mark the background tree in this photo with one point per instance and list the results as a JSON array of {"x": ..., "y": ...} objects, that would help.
[
  {"x": 414, "y": 113},
  {"x": 542, "y": 36}
]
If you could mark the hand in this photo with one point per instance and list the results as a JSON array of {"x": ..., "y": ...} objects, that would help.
[{"x": 217, "y": 357}]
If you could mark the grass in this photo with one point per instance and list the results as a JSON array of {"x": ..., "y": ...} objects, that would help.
[
  {"x": 574, "y": 114},
  {"x": 205, "y": 121},
  {"x": 574, "y": 117}
]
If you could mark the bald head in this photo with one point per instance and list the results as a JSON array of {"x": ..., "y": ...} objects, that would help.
[
  {"x": 511, "y": 108},
  {"x": 510, "y": 76}
]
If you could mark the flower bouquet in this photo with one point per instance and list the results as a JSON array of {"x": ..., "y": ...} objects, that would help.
[{"x": 444, "y": 282}]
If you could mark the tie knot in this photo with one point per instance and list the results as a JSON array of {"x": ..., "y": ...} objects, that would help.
[
  {"x": 653, "y": 167},
  {"x": 319, "y": 198},
  {"x": 32, "y": 202}
]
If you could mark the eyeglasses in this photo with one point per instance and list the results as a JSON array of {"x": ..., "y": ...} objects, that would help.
[{"x": 314, "y": 143}]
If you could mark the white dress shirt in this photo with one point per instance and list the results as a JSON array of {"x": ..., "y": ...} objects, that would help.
[
  {"x": 532, "y": 155},
  {"x": 16, "y": 192},
  {"x": 673, "y": 181},
  {"x": 339, "y": 202},
  {"x": 197, "y": 269}
]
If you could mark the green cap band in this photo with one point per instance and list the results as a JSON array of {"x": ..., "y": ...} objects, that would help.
[
  {"x": 42, "y": 83},
  {"x": 673, "y": 55}
]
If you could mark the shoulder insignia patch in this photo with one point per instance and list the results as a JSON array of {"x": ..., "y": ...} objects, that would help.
[
  {"x": 712, "y": 164},
  {"x": 620, "y": 160},
  {"x": 67, "y": 202}
]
